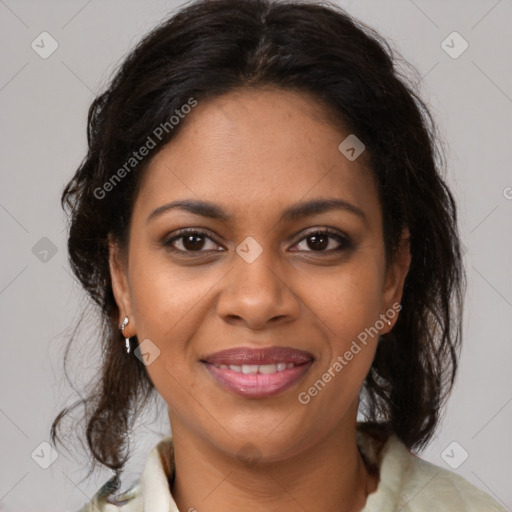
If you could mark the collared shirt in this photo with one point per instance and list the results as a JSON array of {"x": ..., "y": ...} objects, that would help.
[{"x": 406, "y": 483}]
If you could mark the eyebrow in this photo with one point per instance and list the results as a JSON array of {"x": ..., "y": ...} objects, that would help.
[{"x": 294, "y": 212}]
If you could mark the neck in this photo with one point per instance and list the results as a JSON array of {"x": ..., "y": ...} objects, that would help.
[{"x": 329, "y": 476}]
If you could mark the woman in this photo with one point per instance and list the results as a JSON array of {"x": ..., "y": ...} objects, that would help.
[{"x": 262, "y": 220}]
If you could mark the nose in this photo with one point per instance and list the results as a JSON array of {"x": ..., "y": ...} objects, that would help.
[{"x": 257, "y": 294}]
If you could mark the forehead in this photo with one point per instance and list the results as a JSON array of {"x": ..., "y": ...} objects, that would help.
[{"x": 256, "y": 151}]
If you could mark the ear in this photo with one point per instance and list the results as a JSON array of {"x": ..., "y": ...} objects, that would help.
[
  {"x": 118, "y": 265},
  {"x": 395, "y": 277}
]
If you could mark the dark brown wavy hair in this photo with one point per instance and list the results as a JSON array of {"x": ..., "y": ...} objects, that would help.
[{"x": 209, "y": 48}]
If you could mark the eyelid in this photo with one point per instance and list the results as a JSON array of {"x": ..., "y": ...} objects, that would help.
[
  {"x": 322, "y": 229},
  {"x": 343, "y": 239},
  {"x": 168, "y": 241}
]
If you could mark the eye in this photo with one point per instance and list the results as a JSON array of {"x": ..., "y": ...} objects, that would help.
[
  {"x": 191, "y": 240},
  {"x": 321, "y": 239}
]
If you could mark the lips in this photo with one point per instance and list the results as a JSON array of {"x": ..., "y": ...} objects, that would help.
[
  {"x": 258, "y": 373},
  {"x": 260, "y": 356}
]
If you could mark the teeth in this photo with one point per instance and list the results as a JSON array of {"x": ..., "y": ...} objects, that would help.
[
  {"x": 249, "y": 368},
  {"x": 267, "y": 368},
  {"x": 256, "y": 368}
]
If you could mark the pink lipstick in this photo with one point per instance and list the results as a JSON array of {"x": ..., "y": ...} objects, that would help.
[{"x": 258, "y": 373}]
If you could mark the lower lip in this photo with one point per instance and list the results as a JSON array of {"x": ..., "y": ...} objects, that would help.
[{"x": 258, "y": 385}]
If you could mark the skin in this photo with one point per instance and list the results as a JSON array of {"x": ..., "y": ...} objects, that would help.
[{"x": 254, "y": 153}]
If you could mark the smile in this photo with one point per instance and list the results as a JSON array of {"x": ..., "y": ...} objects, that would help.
[
  {"x": 257, "y": 381},
  {"x": 265, "y": 369}
]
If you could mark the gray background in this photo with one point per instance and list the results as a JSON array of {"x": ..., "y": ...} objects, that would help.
[{"x": 44, "y": 104}]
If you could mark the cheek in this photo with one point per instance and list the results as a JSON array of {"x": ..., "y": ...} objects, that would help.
[
  {"x": 348, "y": 303},
  {"x": 347, "y": 299},
  {"x": 165, "y": 297},
  {"x": 169, "y": 307}
]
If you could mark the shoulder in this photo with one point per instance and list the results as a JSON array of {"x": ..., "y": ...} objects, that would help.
[
  {"x": 434, "y": 487},
  {"x": 150, "y": 492},
  {"x": 411, "y": 484},
  {"x": 102, "y": 501}
]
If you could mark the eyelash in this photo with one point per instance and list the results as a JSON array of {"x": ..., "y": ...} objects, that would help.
[{"x": 343, "y": 240}]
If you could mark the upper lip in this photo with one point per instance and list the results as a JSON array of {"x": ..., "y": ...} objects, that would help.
[{"x": 268, "y": 355}]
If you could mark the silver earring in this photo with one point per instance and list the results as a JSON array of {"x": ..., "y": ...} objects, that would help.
[
  {"x": 388, "y": 322},
  {"x": 127, "y": 340}
]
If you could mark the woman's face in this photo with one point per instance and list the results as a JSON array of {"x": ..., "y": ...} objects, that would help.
[{"x": 258, "y": 278}]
